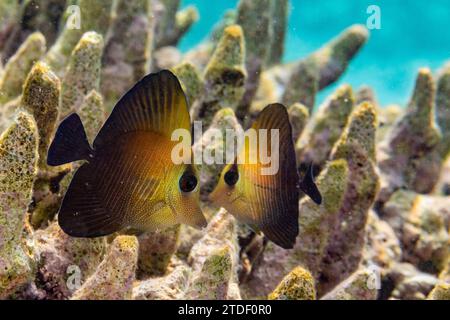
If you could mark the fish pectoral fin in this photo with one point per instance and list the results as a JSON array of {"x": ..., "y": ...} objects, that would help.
[
  {"x": 82, "y": 212},
  {"x": 308, "y": 186}
]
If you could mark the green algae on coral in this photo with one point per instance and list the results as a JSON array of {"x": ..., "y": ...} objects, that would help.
[
  {"x": 359, "y": 286},
  {"x": 83, "y": 72},
  {"x": 316, "y": 222},
  {"x": 41, "y": 98},
  {"x": 156, "y": 249},
  {"x": 224, "y": 76},
  {"x": 297, "y": 285},
  {"x": 57, "y": 253},
  {"x": 443, "y": 108},
  {"x": 217, "y": 146},
  {"x": 20, "y": 64},
  {"x": 359, "y": 134},
  {"x": 214, "y": 258},
  {"x": 95, "y": 15},
  {"x": 168, "y": 287},
  {"x": 190, "y": 80},
  {"x": 357, "y": 147},
  {"x": 325, "y": 128},
  {"x": 93, "y": 114},
  {"x": 440, "y": 292},
  {"x": 127, "y": 55},
  {"x": 213, "y": 281},
  {"x": 409, "y": 157},
  {"x": 333, "y": 58},
  {"x": 18, "y": 167},
  {"x": 298, "y": 117},
  {"x": 303, "y": 84},
  {"x": 114, "y": 276}
]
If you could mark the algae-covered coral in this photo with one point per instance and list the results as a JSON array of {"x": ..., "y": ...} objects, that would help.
[{"x": 382, "y": 231}]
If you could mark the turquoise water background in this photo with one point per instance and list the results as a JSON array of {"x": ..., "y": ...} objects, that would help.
[{"x": 413, "y": 34}]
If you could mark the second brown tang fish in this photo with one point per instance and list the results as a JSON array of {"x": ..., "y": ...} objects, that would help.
[
  {"x": 266, "y": 202},
  {"x": 129, "y": 179}
]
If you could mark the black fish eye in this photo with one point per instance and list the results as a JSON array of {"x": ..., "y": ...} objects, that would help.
[
  {"x": 188, "y": 182},
  {"x": 231, "y": 177}
]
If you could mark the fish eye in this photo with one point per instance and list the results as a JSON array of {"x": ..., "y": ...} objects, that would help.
[
  {"x": 231, "y": 177},
  {"x": 188, "y": 182}
]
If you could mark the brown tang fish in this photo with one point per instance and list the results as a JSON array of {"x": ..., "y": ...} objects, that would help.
[
  {"x": 266, "y": 202},
  {"x": 129, "y": 179}
]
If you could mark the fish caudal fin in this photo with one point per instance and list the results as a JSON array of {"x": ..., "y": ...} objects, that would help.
[
  {"x": 308, "y": 186},
  {"x": 70, "y": 143}
]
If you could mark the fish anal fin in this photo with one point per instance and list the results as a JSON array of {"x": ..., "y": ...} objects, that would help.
[
  {"x": 82, "y": 212},
  {"x": 283, "y": 233}
]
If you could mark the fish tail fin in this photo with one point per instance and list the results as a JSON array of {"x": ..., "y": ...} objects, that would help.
[
  {"x": 70, "y": 143},
  {"x": 308, "y": 186}
]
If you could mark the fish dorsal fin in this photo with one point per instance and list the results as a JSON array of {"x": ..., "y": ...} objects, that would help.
[
  {"x": 277, "y": 216},
  {"x": 155, "y": 104}
]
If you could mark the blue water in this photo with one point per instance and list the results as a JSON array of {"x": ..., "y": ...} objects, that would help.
[{"x": 413, "y": 34}]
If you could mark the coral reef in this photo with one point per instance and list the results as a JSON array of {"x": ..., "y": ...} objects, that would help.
[
  {"x": 297, "y": 285},
  {"x": 409, "y": 157},
  {"x": 224, "y": 76},
  {"x": 127, "y": 53},
  {"x": 156, "y": 249},
  {"x": 59, "y": 255},
  {"x": 443, "y": 108},
  {"x": 357, "y": 146},
  {"x": 114, "y": 276},
  {"x": 325, "y": 127},
  {"x": 214, "y": 260},
  {"x": 407, "y": 282},
  {"x": 18, "y": 166},
  {"x": 96, "y": 17},
  {"x": 358, "y": 286},
  {"x": 381, "y": 232},
  {"x": 83, "y": 72},
  {"x": 171, "y": 23},
  {"x": 170, "y": 287},
  {"x": 421, "y": 223},
  {"x": 190, "y": 80},
  {"x": 211, "y": 143},
  {"x": 298, "y": 116},
  {"x": 19, "y": 65}
]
